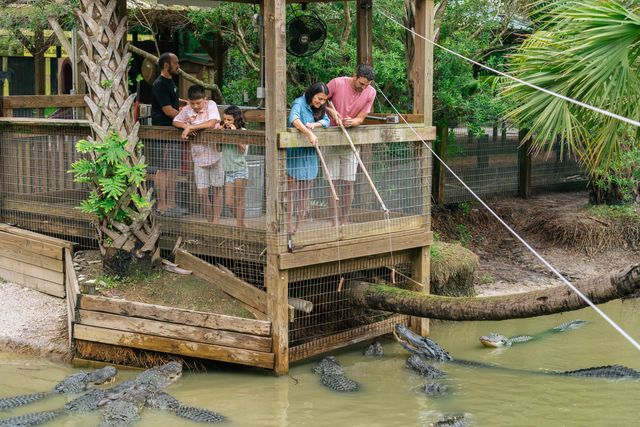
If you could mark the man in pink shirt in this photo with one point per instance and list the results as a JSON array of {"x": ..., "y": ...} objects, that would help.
[
  {"x": 207, "y": 165},
  {"x": 353, "y": 99}
]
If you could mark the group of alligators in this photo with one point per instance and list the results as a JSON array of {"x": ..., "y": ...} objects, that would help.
[{"x": 122, "y": 404}]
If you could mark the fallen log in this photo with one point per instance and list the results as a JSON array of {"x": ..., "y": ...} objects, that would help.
[{"x": 558, "y": 299}]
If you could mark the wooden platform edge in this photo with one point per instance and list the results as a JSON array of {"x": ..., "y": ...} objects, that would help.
[
  {"x": 73, "y": 290},
  {"x": 174, "y": 346},
  {"x": 173, "y": 330},
  {"x": 174, "y": 315},
  {"x": 346, "y": 338},
  {"x": 37, "y": 236}
]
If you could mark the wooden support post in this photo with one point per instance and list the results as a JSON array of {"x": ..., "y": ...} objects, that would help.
[
  {"x": 276, "y": 280},
  {"x": 364, "y": 15},
  {"x": 423, "y": 104},
  {"x": 439, "y": 174},
  {"x": 524, "y": 165}
]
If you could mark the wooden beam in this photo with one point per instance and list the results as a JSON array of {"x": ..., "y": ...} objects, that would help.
[
  {"x": 439, "y": 172},
  {"x": 364, "y": 27},
  {"x": 292, "y": 138},
  {"x": 37, "y": 236},
  {"x": 174, "y": 330},
  {"x": 36, "y": 283},
  {"x": 42, "y": 101},
  {"x": 72, "y": 290},
  {"x": 524, "y": 165},
  {"x": 423, "y": 61},
  {"x": 276, "y": 281},
  {"x": 174, "y": 346},
  {"x": 233, "y": 286},
  {"x": 175, "y": 315},
  {"x": 316, "y": 254}
]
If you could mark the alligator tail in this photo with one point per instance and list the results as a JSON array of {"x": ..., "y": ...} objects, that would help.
[
  {"x": 21, "y": 400},
  {"x": 199, "y": 415},
  {"x": 33, "y": 419}
]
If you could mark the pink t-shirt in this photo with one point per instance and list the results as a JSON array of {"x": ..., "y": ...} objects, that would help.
[
  {"x": 348, "y": 102},
  {"x": 202, "y": 155}
]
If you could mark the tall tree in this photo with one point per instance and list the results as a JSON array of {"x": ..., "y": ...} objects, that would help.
[
  {"x": 588, "y": 50},
  {"x": 26, "y": 21}
]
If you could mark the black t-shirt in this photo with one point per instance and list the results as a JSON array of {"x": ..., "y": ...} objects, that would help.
[{"x": 165, "y": 92}]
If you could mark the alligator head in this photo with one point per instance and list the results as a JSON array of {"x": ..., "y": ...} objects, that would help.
[
  {"x": 160, "y": 376},
  {"x": 81, "y": 381},
  {"x": 494, "y": 340},
  {"x": 421, "y": 346}
]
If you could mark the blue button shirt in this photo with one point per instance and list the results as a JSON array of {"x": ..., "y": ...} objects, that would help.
[{"x": 302, "y": 162}]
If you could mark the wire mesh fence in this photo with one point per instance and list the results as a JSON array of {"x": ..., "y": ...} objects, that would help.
[
  {"x": 488, "y": 164},
  {"x": 326, "y": 195}
]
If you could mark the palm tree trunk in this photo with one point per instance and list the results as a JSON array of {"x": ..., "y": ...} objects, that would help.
[
  {"x": 530, "y": 304},
  {"x": 103, "y": 31}
]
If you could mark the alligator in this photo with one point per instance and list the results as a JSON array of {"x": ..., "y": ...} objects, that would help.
[
  {"x": 435, "y": 389},
  {"x": 75, "y": 383},
  {"x": 373, "y": 350},
  {"x": 123, "y": 402},
  {"x": 452, "y": 421},
  {"x": 494, "y": 340},
  {"x": 430, "y": 350},
  {"x": 332, "y": 376}
]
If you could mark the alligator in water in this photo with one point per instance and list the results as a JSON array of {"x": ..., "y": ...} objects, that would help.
[
  {"x": 494, "y": 340},
  {"x": 123, "y": 402},
  {"x": 332, "y": 376},
  {"x": 75, "y": 383},
  {"x": 430, "y": 350},
  {"x": 373, "y": 350}
]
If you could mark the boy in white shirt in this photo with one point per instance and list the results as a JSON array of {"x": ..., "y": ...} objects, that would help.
[{"x": 199, "y": 114}]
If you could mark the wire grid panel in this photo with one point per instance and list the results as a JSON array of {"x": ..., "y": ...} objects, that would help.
[
  {"x": 556, "y": 169},
  {"x": 214, "y": 212},
  {"x": 38, "y": 193},
  {"x": 314, "y": 211},
  {"x": 487, "y": 163},
  {"x": 332, "y": 312}
]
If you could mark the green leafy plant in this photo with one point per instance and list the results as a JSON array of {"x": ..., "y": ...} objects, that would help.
[{"x": 109, "y": 174}]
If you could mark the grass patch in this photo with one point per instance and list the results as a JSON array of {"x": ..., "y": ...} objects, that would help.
[{"x": 616, "y": 212}]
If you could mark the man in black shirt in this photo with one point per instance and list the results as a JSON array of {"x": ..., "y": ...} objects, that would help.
[{"x": 166, "y": 156}]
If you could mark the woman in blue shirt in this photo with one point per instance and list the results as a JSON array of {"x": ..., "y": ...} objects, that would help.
[{"x": 307, "y": 113}]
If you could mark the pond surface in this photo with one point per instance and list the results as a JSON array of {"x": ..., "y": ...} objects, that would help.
[{"x": 390, "y": 394}]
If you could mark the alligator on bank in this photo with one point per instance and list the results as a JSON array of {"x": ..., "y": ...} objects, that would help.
[
  {"x": 75, "y": 383},
  {"x": 494, "y": 340},
  {"x": 430, "y": 350},
  {"x": 332, "y": 376},
  {"x": 123, "y": 402}
]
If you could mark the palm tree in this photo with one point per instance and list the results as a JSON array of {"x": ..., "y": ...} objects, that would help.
[
  {"x": 587, "y": 50},
  {"x": 114, "y": 168}
]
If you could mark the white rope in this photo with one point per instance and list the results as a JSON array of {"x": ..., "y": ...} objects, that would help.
[
  {"x": 531, "y": 85},
  {"x": 515, "y": 234}
]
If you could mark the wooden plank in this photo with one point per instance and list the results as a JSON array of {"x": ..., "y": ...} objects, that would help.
[
  {"x": 31, "y": 245},
  {"x": 174, "y": 346},
  {"x": 364, "y": 21},
  {"x": 380, "y": 134},
  {"x": 37, "y": 236},
  {"x": 175, "y": 315},
  {"x": 22, "y": 255},
  {"x": 72, "y": 290},
  {"x": 43, "y": 126},
  {"x": 32, "y": 270},
  {"x": 252, "y": 137},
  {"x": 174, "y": 330},
  {"x": 357, "y": 248},
  {"x": 48, "y": 209},
  {"x": 43, "y": 101},
  {"x": 233, "y": 286},
  {"x": 36, "y": 283},
  {"x": 346, "y": 338},
  {"x": 421, "y": 274}
]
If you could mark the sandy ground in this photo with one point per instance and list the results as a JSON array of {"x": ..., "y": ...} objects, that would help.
[{"x": 35, "y": 323}]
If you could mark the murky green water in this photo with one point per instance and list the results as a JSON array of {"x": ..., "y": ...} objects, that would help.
[{"x": 391, "y": 394}]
